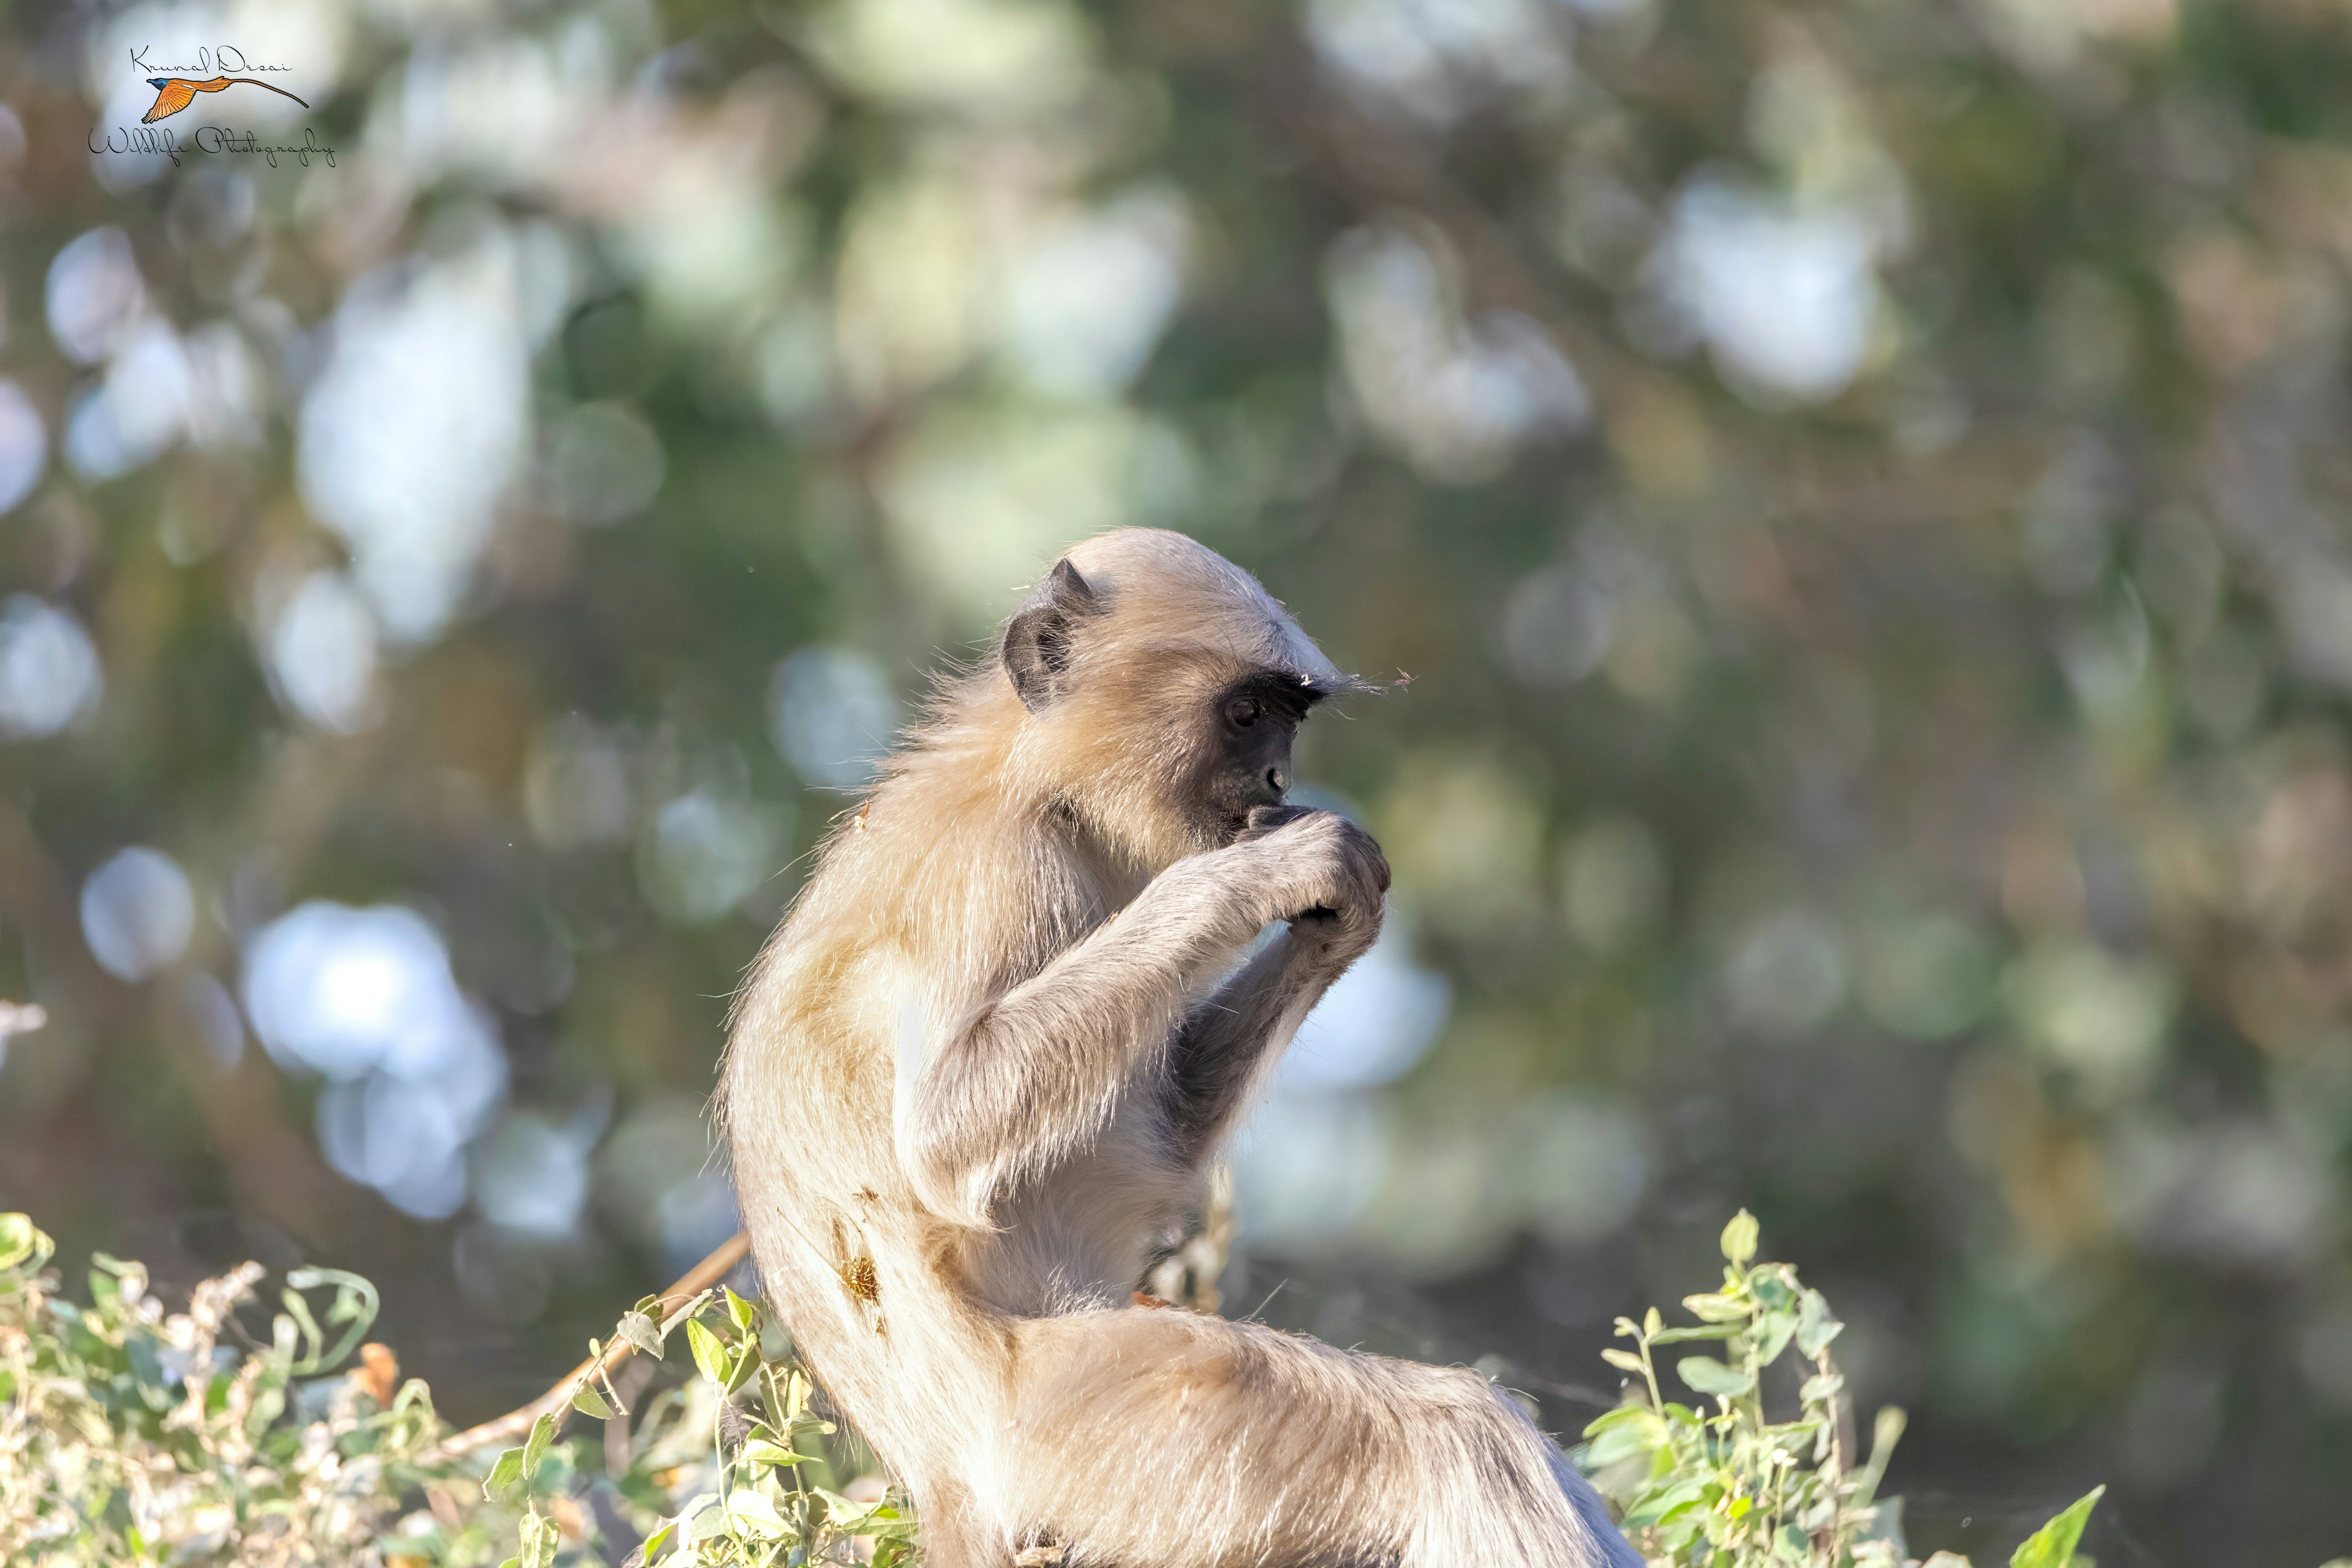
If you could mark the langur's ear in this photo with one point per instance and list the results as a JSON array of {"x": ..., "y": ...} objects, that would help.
[{"x": 1036, "y": 646}]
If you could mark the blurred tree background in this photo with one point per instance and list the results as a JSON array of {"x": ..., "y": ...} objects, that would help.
[{"x": 1859, "y": 487}]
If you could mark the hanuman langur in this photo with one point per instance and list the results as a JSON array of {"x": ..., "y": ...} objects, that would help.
[{"x": 976, "y": 1076}]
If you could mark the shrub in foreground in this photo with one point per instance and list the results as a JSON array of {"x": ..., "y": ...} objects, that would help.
[
  {"x": 231, "y": 1434},
  {"x": 1716, "y": 1483}
]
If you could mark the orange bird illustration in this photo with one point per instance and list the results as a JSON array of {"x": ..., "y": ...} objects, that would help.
[{"x": 174, "y": 93}]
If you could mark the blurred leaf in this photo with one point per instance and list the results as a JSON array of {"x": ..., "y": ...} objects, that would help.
[
  {"x": 1623, "y": 1416},
  {"x": 2053, "y": 1546},
  {"x": 1700, "y": 1331},
  {"x": 534, "y": 1449},
  {"x": 22, "y": 1243},
  {"x": 703, "y": 1516},
  {"x": 586, "y": 1401},
  {"x": 642, "y": 1331},
  {"x": 505, "y": 1483},
  {"x": 540, "y": 1540},
  {"x": 754, "y": 1515},
  {"x": 1710, "y": 1376},
  {"x": 710, "y": 1357},
  {"x": 772, "y": 1455},
  {"x": 1623, "y": 1442},
  {"x": 1654, "y": 1507},
  {"x": 1719, "y": 1309},
  {"x": 1815, "y": 1327},
  {"x": 1739, "y": 1238}
]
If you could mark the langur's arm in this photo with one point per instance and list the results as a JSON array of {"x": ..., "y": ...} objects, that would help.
[
  {"x": 1035, "y": 1074},
  {"x": 1232, "y": 1042}
]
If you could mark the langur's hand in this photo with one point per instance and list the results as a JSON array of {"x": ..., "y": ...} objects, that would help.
[{"x": 1324, "y": 874}]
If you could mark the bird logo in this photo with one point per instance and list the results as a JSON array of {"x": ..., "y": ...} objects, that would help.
[{"x": 174, "y": 93}]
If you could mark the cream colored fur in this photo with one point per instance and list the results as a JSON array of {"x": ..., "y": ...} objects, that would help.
[{"x": 992, "y": 1049}]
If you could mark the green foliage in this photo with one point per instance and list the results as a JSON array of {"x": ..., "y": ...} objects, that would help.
[
  {"x": 130, "y": 1435},
  {"x": 2053, "y": 1546},
  {"x": 1723, "y": 1485},
  {"x": 754, "y": 1489}
]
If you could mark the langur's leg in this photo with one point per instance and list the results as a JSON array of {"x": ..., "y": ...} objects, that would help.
[{"x": 1150, "y": 1438}]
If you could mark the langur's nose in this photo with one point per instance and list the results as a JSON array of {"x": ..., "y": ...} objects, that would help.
[{"x": 1277, "y": 782}]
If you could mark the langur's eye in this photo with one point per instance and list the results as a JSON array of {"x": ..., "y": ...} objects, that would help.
[{"x": 1242, "y": 713}]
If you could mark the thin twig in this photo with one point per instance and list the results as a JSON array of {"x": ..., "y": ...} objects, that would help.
[{"x": 511, "y": 1426}]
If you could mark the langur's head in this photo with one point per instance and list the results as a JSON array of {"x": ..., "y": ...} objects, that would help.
[{"x": 1161, "y": 690}]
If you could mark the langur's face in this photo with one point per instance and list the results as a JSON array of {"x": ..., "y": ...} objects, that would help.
[{"x": 1252, "y": 724}]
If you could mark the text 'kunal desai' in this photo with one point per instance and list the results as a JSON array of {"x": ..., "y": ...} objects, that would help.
[{"x": 227, "y": 58}]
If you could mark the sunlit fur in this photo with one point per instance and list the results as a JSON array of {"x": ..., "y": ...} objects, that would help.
[{"x": 990, "y": 1050}]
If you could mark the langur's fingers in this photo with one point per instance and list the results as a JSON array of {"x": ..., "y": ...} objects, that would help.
[{"x": 1264, "y": 819}]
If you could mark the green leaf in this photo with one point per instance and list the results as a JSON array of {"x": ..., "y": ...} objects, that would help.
[
  {"x": 1815, "y": 1327},
  {"x": 1623, "y": 1443},
  {"x": 760, "y": 1452},
  {"x": 701, "y": 1518},
  {"x": 504, "y": 1484},
  {"x": 22, "y": 1244},
  {"x": 744, "y": 1314},
  {"x": 844, "y": 1514},
  {"x": 534, "y": 1448},
  {"x": 1709, "y": 1375},
  {"x": 106, "y": 1278},
  {"x": 540, "y": 1540},
  {"x": 588, "y": 1402},
  {"x": 2053, "y": 1545},
  {"x": 1702, "y": 1332},
  {"x": 1625, "y": 1360},
  {"x": 753, "y": 1514},
  {"x": 1654, "y": 1507},
  {"x": 1772, "y": 1334},
  {"x": 1739, "y": 1238},
  {"x": 652, "y": 1551},
  {"x": 1623, "y": 1416},
  {"x": 710, "y": 1357},
  {"x": 354, "y": 1307},
  {"x": 1774, "y": 1285},
  {"x": 642, "y": 1331},
  {"x": 1719, "y": 1309}
]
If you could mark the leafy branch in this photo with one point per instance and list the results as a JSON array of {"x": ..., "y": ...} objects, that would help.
[{"x": 1723, "y": 1485}]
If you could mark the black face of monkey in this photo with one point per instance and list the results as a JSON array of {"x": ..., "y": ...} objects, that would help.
[
  {"x": 1230, "y": 756},
  {"x": 1253, "y": 723}
]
